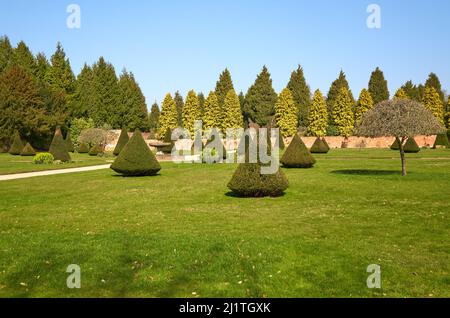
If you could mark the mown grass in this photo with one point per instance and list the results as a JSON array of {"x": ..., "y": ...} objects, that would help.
[{"x": 180, "y": 234}]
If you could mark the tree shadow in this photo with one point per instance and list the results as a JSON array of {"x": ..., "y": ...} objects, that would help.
[{"x": 367, "y": 172}]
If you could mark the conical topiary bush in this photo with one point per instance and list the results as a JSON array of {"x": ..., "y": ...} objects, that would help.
[
  {"x": 319, "y": 146},
  {"x": 441, "y": 141},
  {"x": 69, "y": 143},
  {"x": 28, "y": 150},
  {"x": 95, "y": 150},
  {"x": 136, "y": 159},
  {"x": 247, "y": 180},
  {"x": 123, "y": 139},
  {"x": 58, "y": 147},
  {"x": 411, "y": 146},
  {"x": 326, "y": 143},
  {"x": 395, "y": 145},
  {"x": 297, "y": 155},
  {"x": 83, "y": 148},
  {"x": 17, "y": 145}
]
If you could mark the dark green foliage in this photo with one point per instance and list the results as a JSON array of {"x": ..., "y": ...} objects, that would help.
[
  {"x": 433, "y": 81},
  {"x": 123, "y": 139},
  {"x": 83, "y": 148},
  {"x": 58, "y": 147},
  {"x": 6, "y": 53},
  {"x": 69, "y": 143},
  {"x": 441, "y": 141},
  {"x": 28, "y": 150},
  {"x": 201, "y": 103},
  {"x": 136, "y": 159},
  {"x": 209, "y": 150},
  {"x": 83, "y": 101},
  {"x": 281, "y": 144},
  {"x": 179, "y": 105},
  {"x": 297, "y": 155},
  {"x": 378, "y": 87},
  {"x": 17, "y": 145},
  {"x": 333, "y": 93},
  {"x": 24, "y": 58},
  {"x": 168, "y": 139},
  {"x": 96, "y": 150},
  {"x": 412, "y": 91},
  {"x": 60, "y": 75},
  {"x": 324, "y": 141},
  {"x": 154, "y": 117},
  {"x": 411, "y": 146},
  {"x": 395, "y": 145},
  {"x": 301, "y": 94},
  {"x": 223, "y": 86},
  {"x": 319, "y": 146}
]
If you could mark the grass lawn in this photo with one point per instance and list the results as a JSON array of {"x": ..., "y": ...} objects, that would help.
[
  {"x": 16, "y": 164},
  {"x": 180, "y": 234}
]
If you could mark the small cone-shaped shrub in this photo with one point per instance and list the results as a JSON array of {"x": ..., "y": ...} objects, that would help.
[
  {"x": 28, "y": 150},
  {"x": 411, "y": 146},
  {"x": 441, "y": 141},
  {"x": 395, "y": 145},
  {"x": 326, "y": 144},
  {"x": 83, "y": 148},
  {"x": 168, "y": 139},
  {"x": 136, "y": 159},
  {"x": 17, "y": 145},
  {"x": 95, "y": 150},
  {"x": 319, "y": 146},
  {"x": 58, "y": 147},
  {"x": 297, "y": 155},
  {"x": 247, "y": 180},
  {"x": 123, "y": 139},
  {"x": 69, "y": 143}
]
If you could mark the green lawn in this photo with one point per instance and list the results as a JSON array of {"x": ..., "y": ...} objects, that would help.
[
  {"x": 16, "y": 164},
  {"x": 180, "y": 234}
]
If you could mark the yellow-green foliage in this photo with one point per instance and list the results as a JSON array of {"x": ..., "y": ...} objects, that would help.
[
  {"x": 169, "y": 117},
  {"x": 432, "y": 101},
  {"x": 318, "y": 115},
  {"x": 191, "y": 112},
  {"x": 365, "y": 102},
  {"x": 286, "y": 113},
  {"x": 342, "y": 113},
  {"x": 232, "y": 109},
  {"x": 212, "y": 115},
  {"x": 401, "y": 94}
]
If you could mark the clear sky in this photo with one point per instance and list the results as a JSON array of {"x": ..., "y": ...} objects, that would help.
[{"x": 184, "y": 44}]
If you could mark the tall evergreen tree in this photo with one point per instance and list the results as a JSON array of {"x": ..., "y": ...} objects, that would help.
[
  {"x": 242, "y": 102},
  {"x": 179, "y": 103},
  {"x": 83, "y": 101},
  {"x": 223, "y": 86},
  {"x": 212, "y": 116},
  {"x": 60, "y": 74},
  {"x": 42, "y": 67},
  {"x": 24, "y": 58},
  {"x": 432, "y": 101},
  {"x": 154, "y": 117},
  {"x": 260, "y": 99},
  {"x": 286, "y": 113},
  {"x": 168, "y": 119},
  {"x": 301, "y": 94},
  {"x": 400, "y": 94},
  {"x": 333, "y": 93},
  {"x": 132, "y": 102},
  {"x": 343, "y": 114},
  {"x": 191, "y": 112},
  {"x": 232, "y": 106},
  {"x": 412, "y": 91},
  {"x": 318, "y": 116},
  {"x": 6, "y": 53},
  {"x": 433, "y": 81},
  {"x": 201, "y": 103},
  {"x": 378, "y": 87},
  {"x": 365, "y": 103}
]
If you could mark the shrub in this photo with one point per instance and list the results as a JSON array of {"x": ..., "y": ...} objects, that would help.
[
  {"x": 319, "y": 146},
  {"x": 58, "y": 148},
  {"x": 395, "y": 145},
  {"x": 77, "y": 126},
  {"x": 95, "y": 150},
  {"x": 441, "y": 141},
  {"x": 94, "y": 136},
  {"x": 43, "y": 158},
  {"x": 326, "y": 144},
  {"x": 83, "y": 148},
  {"x": 332, "y": 131},
  {"x": 297, "y": 155},
  {"x": 69, "y": 143},
  {"x": 17, "y": 145},
  {"x": 136, "y": 159},
  {"x": 123, "y": 139},
  {"x": 28, "y": 150},
  {"x": 411, "y": 146}
]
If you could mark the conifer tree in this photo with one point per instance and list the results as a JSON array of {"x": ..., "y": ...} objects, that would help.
[
  {"x": 400, "y": 94},
  {"x": 168, "y": 119},
  {"x": 179, "y": 103},
  {"x": 42, "y": 67},
  {"x": 154, "y": 117},
  {"x": 123, "y": 139},
  {"x": 233, "y": 115},
  {"x": 60, "y": 75},
  {"x": 412, "y": 91},
  {"x": 201, "y": 103},
  {"x": 365, "y": 103},
  {"x": 260, "y": 99},
  {"x": 83, "y": 101},
  {"x": 378, "y": 88},
  {"x": 6, "y": 53},
  {"x": 318, "y": 115},
  {"x": 343, "y": 114},
  {"x": 223, "y": 86},
  {"x": 432, "y": 101},
  {"x": 333, "y": 93},
  {"x": 212, "y": 116},
  {"x": 191, "y": 112},
  {"x": 286, "y": 113},
  {"x": 24, "y": 58},
  {"x": 58, "y": 147},
  {"x": 132, "y": 102},
  {"x": 301, "y": 94},
  {"x": 433, "y": 81}
]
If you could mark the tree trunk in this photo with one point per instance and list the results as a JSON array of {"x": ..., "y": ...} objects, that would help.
[{"x": 402, "y": 154}]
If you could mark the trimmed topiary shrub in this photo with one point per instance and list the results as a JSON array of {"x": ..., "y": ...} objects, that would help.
[
  {"x": 28, "y": 150},
  {"x": 43, "y": 158},
  {"x": 411, "y": 146},
  {"x": 168, "y": 139},
  {"x": 58, "y": 148},
  {"x": 441, "y": 141},
  {"x": 95, "y": 150},
  {"x": 69, "y": 143},
  {"x": 136, "y": 159},
  {"x": 319, "y": 146},
  {"x": 326, "y": 144},
  {"x": 395, "y": 145},
  {"x": 123, "y": 139},
  {"x": 17, "y": 145},
  {"x": 83, "y": 148},
  {"x": 297, "y": 155}
]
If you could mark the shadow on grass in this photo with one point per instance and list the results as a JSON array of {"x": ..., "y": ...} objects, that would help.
[
  {"x": 131, "y": 177},
  {"x": 235, "y": 195},
  {"x": 367, "y": 172}
]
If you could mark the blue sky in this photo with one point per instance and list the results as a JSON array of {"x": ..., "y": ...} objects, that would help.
[{"x": 181, "y": 45}]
